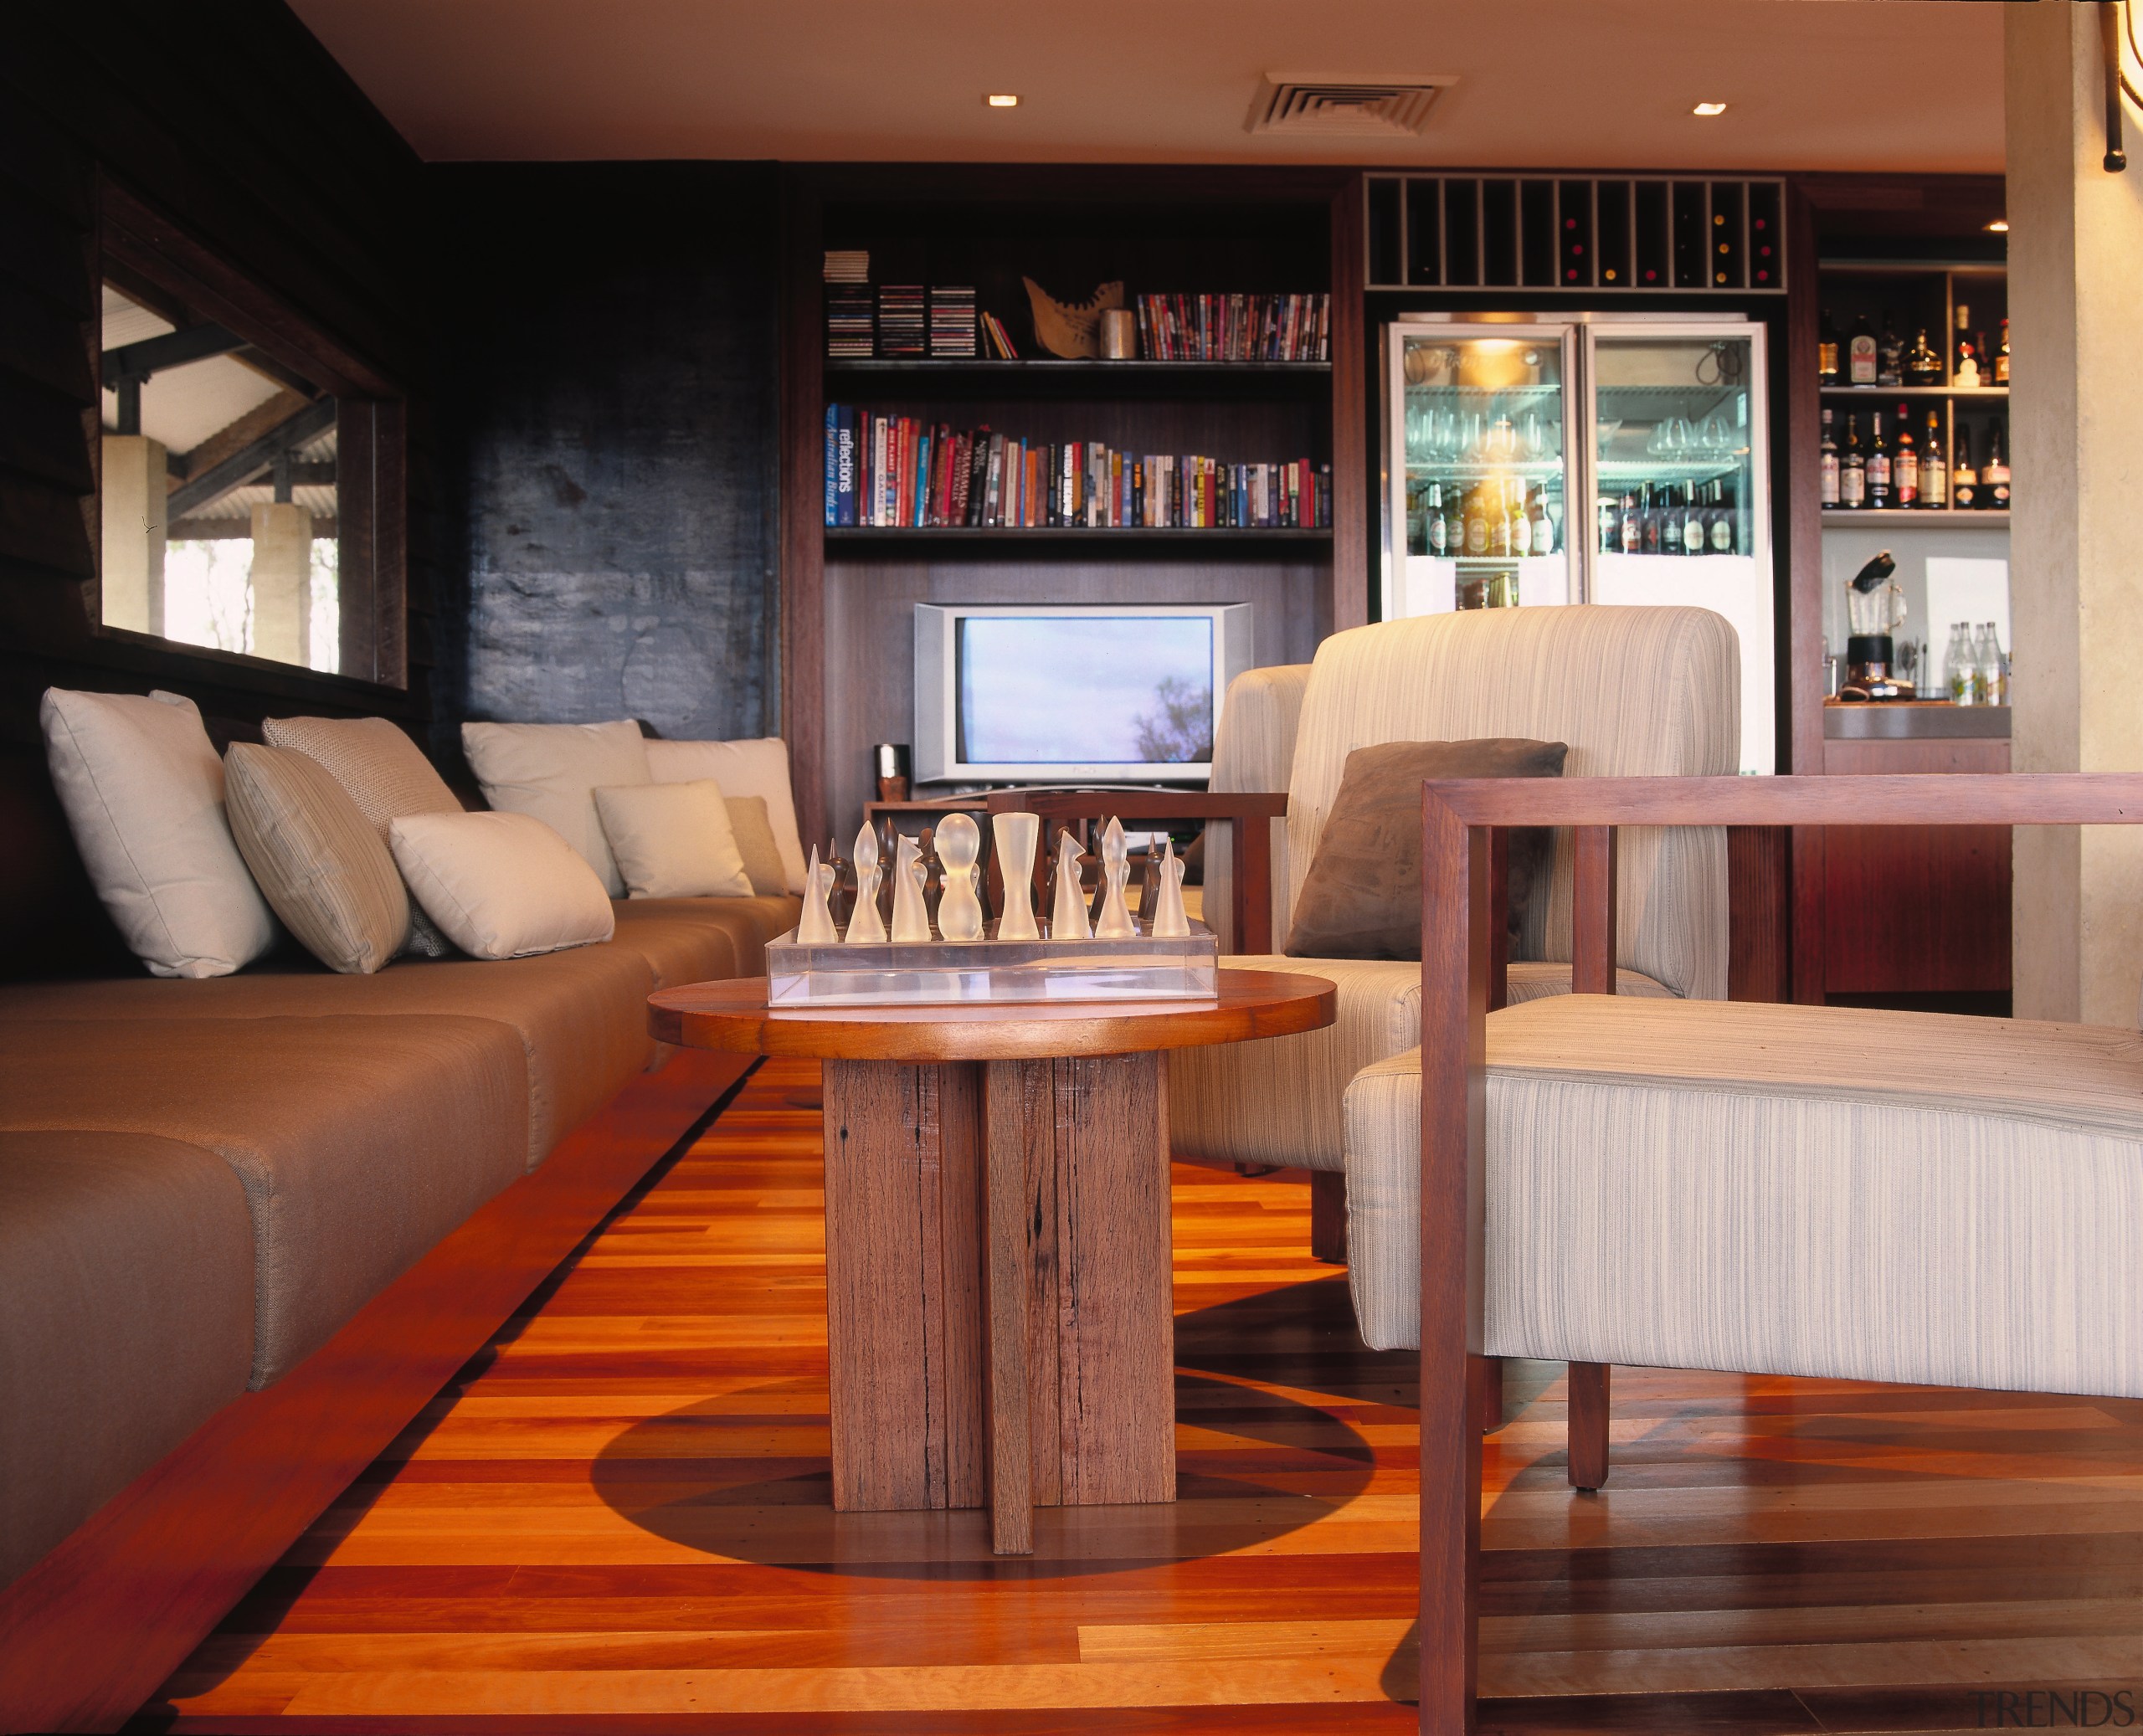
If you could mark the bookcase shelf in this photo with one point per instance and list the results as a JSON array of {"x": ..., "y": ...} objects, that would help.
[
  {"x": 1056, "y": 539},
  {"x": 883, "y": 379}
]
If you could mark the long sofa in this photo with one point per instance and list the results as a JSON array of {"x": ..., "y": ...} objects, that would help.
[{"x": 204, "y": 1182}]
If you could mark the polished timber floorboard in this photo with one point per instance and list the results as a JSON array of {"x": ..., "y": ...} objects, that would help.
[{"x": 616, "y": 1519}]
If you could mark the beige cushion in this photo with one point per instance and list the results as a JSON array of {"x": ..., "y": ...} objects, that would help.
[
  {"x": 125, "y": 1318},
  {"x": 1821, "y": 1191},
  {"x": 359, "y": 1142},
  {"x": 1278, "y": 1100},
  {"x": 744, "y": 925},
  {"x": 1253, "y": 749},
  {"x": 1362, "y": 896},
  {"x": 143, "y": 793},
  {"x": 322, "y": 867},
  {"x": 551, "y": 771},
  {"x": 1635, "y": 691},
  {"x": 577, "y": 1018},
  {"x": 753, "y": 834},
  {"x": 384, "y": 772},
  {"x": 742, "y": 769},
  {"x": 673, "y": 840},
  {"x": 500, "y": 886}
]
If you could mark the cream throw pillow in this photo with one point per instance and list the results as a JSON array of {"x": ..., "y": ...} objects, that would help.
[
  {"x": 673, "y": 840},
  {"x": 742, "y": 769},
  {"x": 762, "y": 865},
  {"x": 385, "y": 773},
  {"x": 500, "y": 886},
  {"x": 143, "y": 793},
  {"x": 550, "y": 771},
  {"x": 321, "y": 863}
]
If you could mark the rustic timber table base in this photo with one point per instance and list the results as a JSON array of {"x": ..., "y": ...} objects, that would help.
[{"x": 999, "y": 1321}]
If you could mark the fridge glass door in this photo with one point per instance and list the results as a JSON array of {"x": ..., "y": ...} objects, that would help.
[
  {"x": 1481, "y": 452},
  {"x": 1679, "y": 514}
]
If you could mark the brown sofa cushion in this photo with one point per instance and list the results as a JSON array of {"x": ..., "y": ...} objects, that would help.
[
  {"x": 1362, "y": 896},
  {"x": 748, "y": 924},
  {"x": 752, "y": 828},
  {"x": 580, "y": 1017},
  {"x": 359, "y": 1142},
  {"x": 125, "y": 1318}
]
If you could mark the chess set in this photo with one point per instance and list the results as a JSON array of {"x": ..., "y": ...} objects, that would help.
[{"x": 966, "y": 957}]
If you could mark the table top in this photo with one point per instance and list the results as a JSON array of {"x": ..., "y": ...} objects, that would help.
[{"x": 733, "y": 1015}]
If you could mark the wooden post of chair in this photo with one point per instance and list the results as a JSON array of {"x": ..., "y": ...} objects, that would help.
[
  {"x": 1455, "y": 956},
  {"x": 1490, "y": 1397},
  {"x": 1592, "y": 971}
]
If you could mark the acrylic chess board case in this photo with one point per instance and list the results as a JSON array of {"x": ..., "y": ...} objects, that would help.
[{"x": 1186, "y": 968}]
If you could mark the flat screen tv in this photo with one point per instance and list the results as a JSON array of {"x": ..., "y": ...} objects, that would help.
[{"x": 1060, "y": 693}]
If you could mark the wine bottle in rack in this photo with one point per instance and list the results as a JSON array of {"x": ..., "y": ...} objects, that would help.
[
  {"x": 1905, "y": 462},
  {"x": 1994, "y": 474},
  {"x": 1853, "y": 469},
  {"x": 1878, "y": 468},
  {"x": 1934, "y": 468},
  {"x": 1964, "y": 480}
]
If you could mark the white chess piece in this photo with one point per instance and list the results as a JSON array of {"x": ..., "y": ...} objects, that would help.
[
  {"x": 865, "y": 925},
  {"x": 959, "y": 849},
  {"x": 911, "y": 916},
  {"x": 1067, "y": 915},
  {"x": 1114, "y": 922},
  {"x": 816, "y": 927},
  {"x": 1169, "y": 921},
  {"x": 1017, "y": 835}
]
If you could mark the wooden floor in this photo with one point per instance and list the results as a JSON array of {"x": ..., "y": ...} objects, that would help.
[{"x": 617, "y": 1520}]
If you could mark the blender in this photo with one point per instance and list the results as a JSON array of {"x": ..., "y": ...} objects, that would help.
[{"x": 1873, "y": 608}]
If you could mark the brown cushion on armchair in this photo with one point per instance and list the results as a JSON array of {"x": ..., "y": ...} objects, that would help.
[{"x": 1362, "y": 898}]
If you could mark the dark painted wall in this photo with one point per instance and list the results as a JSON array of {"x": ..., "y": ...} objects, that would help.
[{"x": 607, "y": 370}]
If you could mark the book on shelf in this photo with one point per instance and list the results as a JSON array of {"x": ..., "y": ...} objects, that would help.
[
  {"x": 902, "y": 325},
  {"x": 849, "y": 328},
  {"x": 952, "y": 321},
  {"x": 848, "y": 265},
  {"x": 1235, "y": 328},
  {"x": 890, "y": 472},
  {"x": 999, "y": 340}
]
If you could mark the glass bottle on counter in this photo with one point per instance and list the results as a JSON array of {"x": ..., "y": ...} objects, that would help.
[
  {"x": 1853, "y": 469},
  {"x": 1986, "y": 664},
  {"x": 1934, "y": 468},
  {"x": 1957, "y": 665},
  {"x": 1905, "y": 462},
  {"x": 1827, "y": 466}
]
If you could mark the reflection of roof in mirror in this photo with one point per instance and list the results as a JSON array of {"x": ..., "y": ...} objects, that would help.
[{"x": 181, "y": 407}]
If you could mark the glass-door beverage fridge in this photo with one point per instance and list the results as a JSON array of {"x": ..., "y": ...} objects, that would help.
[{"x": 1610, "y": 458}]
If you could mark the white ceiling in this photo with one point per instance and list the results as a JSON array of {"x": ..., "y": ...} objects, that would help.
[
  {"x": 1912, "y": 85},
  {"x": 182, "y": 406}
]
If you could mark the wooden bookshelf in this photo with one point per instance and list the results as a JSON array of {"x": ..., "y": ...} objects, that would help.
[{"x": 848, "y": 591}]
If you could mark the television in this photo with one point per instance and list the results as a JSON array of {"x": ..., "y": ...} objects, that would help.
[{"x": 1063, "y": 693}]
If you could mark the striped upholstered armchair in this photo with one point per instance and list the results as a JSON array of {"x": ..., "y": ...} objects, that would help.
[{"x": 1634, "y": 692}]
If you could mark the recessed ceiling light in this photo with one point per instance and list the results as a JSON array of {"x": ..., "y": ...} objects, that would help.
[
  {"x": 1709, "y": 108},
  {"x": 2000, "y": 226},
  {"x": 1002, "y": 100}
]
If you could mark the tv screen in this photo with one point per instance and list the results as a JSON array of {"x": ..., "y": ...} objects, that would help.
[{"x": 1059, "y": 689}]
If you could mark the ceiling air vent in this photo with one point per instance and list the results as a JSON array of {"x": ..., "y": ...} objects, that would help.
[{"x": 1344, "y": 108}]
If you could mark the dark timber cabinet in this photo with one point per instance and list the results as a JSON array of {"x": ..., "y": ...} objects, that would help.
[{"x": 847, "y": 595}]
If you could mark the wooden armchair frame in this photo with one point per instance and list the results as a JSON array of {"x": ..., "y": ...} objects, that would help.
[{"x": 1462, "y": 980}]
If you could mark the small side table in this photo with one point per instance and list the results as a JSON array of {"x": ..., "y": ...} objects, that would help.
[{"x": 1000, "y": 1320}]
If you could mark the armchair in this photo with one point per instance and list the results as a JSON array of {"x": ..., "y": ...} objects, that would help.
[
  {"x": 1763, "y": 1188},
  {"x": 1634, "y": 692}
]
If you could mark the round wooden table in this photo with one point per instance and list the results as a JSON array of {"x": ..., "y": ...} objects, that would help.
[{"x": 1000, "y": 1322}]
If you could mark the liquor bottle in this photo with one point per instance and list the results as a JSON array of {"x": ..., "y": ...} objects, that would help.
[
  {"x": 1967, "y": 379},
  {"x": 1454, "y": 533},
  {"x": 1632, "y": 527},
  {"x": 1934, "y": 468},
  {"x": 1853, "y": 469},
  {"x": 1654, "y": 511},
  {"x": 1722, "y": 520},
  {"x": 1889, "y": 355},
  {"x": 1543, "y": 526},
  {"x": 1477, "y": 521},
  {"x": 1610, "y": 524},
  {"x": 1694, "y": 539},
  {"x": 1964, "y": 480},
  {"x": 1521, "y": 523},
  {"x": 1439, "y": 531},
  {"x": 1994, "y": 474},
  {"x": 1861, "y": 362},
  {"x": 2001, "y": 355},
  {"x": 1826, "y": 351},
  {"x": 1878, "y": 469},
  {"x": 1905, "y": 462},
  {"x": 1827, "y": 467},
  {"x": 1498, "y": 512},
  {"x": 1923, "y": 367},
  {"x": 1985, "y": 660}
]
